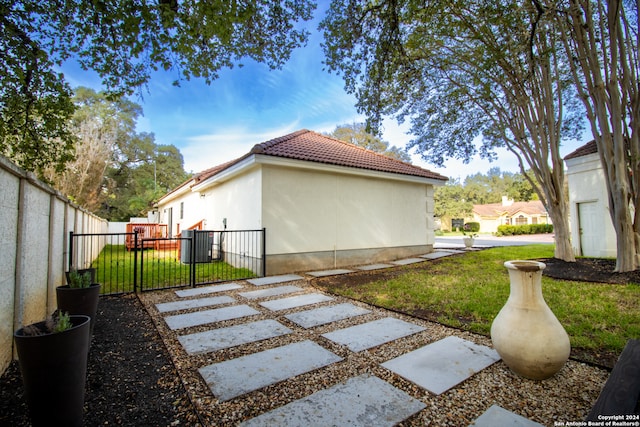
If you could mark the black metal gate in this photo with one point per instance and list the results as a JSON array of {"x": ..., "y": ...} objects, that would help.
[{"x": 127, "y": 262}]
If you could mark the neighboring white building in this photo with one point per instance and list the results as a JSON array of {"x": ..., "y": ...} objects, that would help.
[
  {"x": 324, "y": 203},
  {"x": 592, "y": 232}
]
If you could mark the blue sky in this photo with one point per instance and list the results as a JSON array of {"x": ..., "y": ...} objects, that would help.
[{"x": 212, "y": 124}]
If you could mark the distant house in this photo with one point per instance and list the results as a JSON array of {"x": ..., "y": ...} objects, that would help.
[
  {"x": 592, "y": 232},
  {"x": 508, "y": 212},
  {"x": 324, "y": 203}
]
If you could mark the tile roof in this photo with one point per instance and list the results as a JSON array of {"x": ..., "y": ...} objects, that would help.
[
  {"x": 534, "y": 207},
  {"x": 588, "y": 148},
  {"x": 314, "y": 147}
]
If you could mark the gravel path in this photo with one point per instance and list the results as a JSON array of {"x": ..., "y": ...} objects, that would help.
[
  {"x": 566, "y": 397},
  {"x": 139, "y": 375}
]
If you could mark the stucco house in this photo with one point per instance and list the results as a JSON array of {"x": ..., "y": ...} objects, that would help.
[
  {"x": 592, "y": 232},
  {"x": 508, "y": 212},
  {"x": 324, "y": 203}
]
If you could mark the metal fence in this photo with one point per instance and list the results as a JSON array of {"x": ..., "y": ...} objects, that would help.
[{"x": 129, "y": 262}]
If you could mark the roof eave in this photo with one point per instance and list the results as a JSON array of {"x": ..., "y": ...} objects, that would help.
[{"x": 327, "y": 167}]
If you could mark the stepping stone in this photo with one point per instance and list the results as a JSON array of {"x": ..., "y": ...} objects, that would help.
[
  {"x": 274, "y": 279},
  {"x": 329, "y": 272},
  {"x": 217, "y": 339},
  {"x": 374, "y": 267},
  {"x": 443, "y": 364},
  {"x": 193, "y": 303},
  {"x": 365, "y": 401},
  {"x": 297, "y": 301},
  {"x": 436, "y": 255},
  {"x": 187, "y": 320},
  {"x": 270, "y": 292},
  {"x": 372, "y": 334},
  {"x": 324, "y": 315},
  {"x": 497, "y": 416},
  {"x": 208, "y": 290},
  {"x": 407, "y": 261},
  {"x": 235, "y": 377}
]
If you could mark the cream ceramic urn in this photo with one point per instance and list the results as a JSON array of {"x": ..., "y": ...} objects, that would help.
[{"x": 525, "y": 333}]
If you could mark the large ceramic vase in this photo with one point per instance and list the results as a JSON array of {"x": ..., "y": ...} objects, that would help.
[
  {"x": 54, "y": 367},
  {"x": 525, "y": 333}
]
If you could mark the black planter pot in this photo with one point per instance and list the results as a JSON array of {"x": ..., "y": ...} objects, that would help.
[
  {"x": 79, "y": 301},
  {"x": 54, "y": 368}
]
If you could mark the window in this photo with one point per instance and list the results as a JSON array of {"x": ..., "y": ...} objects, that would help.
[
  {"x": 181, "y": 210},
  {"x": 521, "y": 220}
]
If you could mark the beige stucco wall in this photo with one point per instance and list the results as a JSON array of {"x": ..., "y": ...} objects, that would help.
[
  {"x": 320, "y": 219},
  {"x": 193, "y": 212},
  {"x": 586, "y": 184},
  {"x": 238, "y": 200}
]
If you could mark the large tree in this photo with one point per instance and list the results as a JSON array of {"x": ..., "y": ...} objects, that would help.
[
  {"x": 124, "y": 42},
  {"x": 117, "y": 172},
  {"x": 357, "y": 134},
  {"x": 601, "y": 41},
  {"x": 457, "y": 70}
]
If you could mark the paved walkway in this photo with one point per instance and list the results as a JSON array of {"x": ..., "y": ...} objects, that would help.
[{"x": 362, "y": 400}]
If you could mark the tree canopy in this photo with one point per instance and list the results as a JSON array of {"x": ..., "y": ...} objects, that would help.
[
  {"x": 357, "y": 134},
  {"x": 117, "y": 173},
  {"x": 456, "y": 200},
  {"x": 459, "y": 70},
  {"x": 124, "y": 42}
]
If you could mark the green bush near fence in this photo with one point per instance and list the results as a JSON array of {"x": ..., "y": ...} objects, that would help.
[{"x": 515, "y": 230}]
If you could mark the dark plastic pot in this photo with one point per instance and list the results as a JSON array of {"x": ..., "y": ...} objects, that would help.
[
  {"x": 54, "y": 368},
  {"x": 79, "y": 301}
]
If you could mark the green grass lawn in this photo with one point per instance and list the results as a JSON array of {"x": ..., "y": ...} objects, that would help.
[
  {"x": 115, "y": 270},
  {"x": 468, "y": 292}
]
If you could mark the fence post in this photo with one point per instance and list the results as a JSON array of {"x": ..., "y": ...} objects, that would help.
[
  {"x": 264, "y": 252},
  {"x": 70, "y": 249},
  {"x": 135, "y": 261},
  {"x": 193, "y": 258}
]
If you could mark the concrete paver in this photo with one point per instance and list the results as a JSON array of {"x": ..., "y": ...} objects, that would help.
[
  {"x": 323, "y": 315},
  {"x": 497, "y": 416},
  {"x": 436, "y": 255},
  {"x": 217, "y": 339},
  {"x": 235, "y": 377},
  {"x": 372, "y": 334},
  {"x": 293, "y": 302},
  {"x": 362, "y": 401},
  {"x": 270, "y": 292},
  {"x": 187, "y": 320},
  {"x": 407, "y": 261},
  {"x": 443, "y": 364},
  {"x": 335, "y": 272},
  {"x": 207, "y": 290},
  {"x": 270, "y": 280},
  {"x": 193, "y": 303},
  {"x": 370, "y": 267}
]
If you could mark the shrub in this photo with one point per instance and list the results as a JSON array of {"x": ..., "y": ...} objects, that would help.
[
  {"x": 472, "y": 227},
  {"x": 515, "y": 230}
]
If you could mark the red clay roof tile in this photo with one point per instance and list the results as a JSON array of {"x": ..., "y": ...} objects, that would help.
[
  {"x": 314, "y": 147},
  {"x": 588, "y": 148}
]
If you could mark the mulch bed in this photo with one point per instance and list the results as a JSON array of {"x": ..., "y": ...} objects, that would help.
[
  {"x": 131, "y": 379},
  {"x": 130, "y": 376}
]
